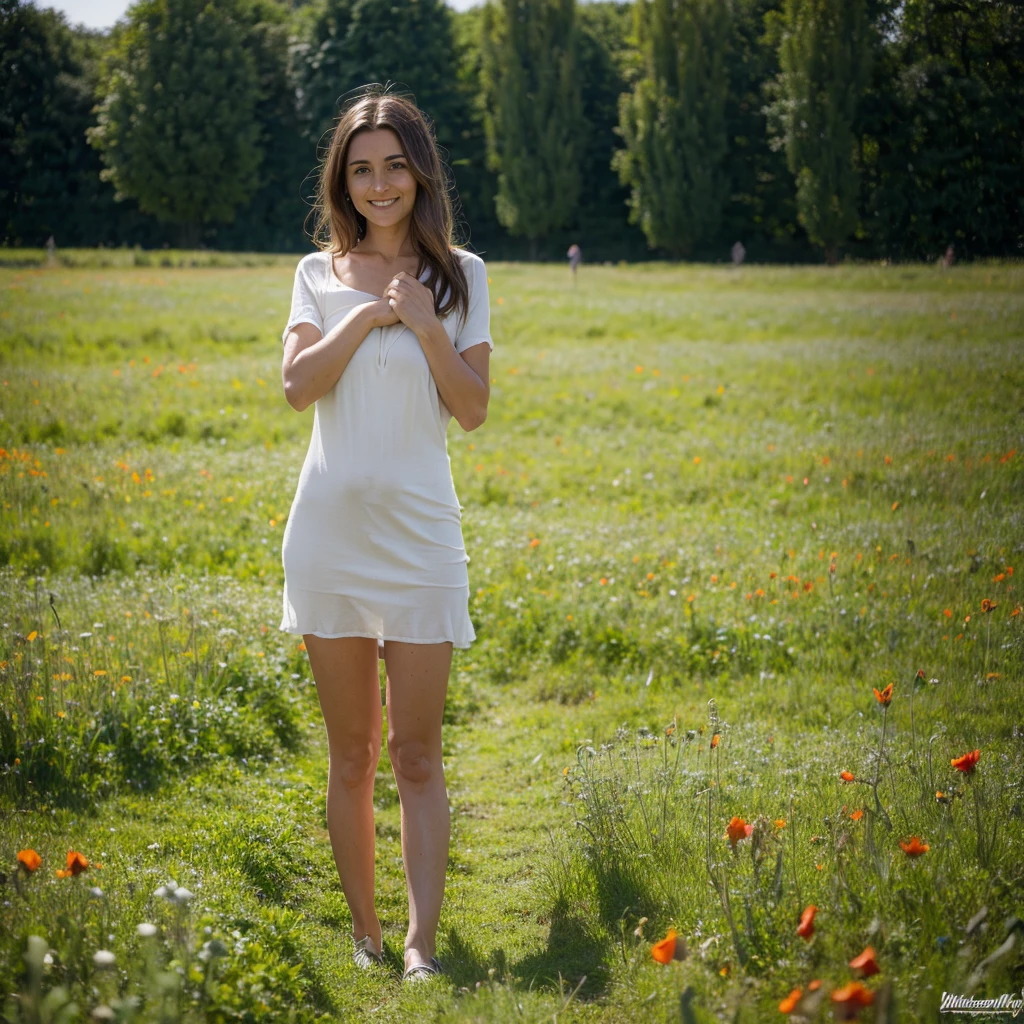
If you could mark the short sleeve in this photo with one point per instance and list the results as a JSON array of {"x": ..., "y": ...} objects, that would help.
[
  {"x": 306, "y": 295},
  {"x": 477, "y": 328}
]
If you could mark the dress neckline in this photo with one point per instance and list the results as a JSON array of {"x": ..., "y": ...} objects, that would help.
[{"x": 358, "y": 291}]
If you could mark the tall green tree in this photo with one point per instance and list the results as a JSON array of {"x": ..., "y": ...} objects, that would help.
[
  {"x": 825, "y": 59},
  {"x": 533, "y": 115},
  {"x": 673, "y": 122},
  {"x": 944, "y": 146},
  {"x": 344, "y": 44},
  {"x": 177, "y": 126}
]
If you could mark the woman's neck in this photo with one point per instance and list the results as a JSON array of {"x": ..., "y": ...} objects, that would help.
[{"x": 390, "y": 243}]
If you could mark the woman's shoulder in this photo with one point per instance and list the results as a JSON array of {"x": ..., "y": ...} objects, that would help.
[{"x": 470, "y": 260}]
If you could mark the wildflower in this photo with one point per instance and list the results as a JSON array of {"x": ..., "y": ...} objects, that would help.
[
  {"x": 947, "y": 613},
  {"x": 29, "y": 860},
  {"x": 987, "y": 605},
  {"x": 32, "y": 636},
  {"x": 76, "y": 865},
  {"x": 914, "y": 848},
  {"x": 967, "y": 762},
  {"x": 805, "y": 929},
  {"x": 848, "y": 776},
  {"x": 850, "y": 998},
  {"x": 943, "y": 798},
  {"x": 103, "y": 958},
  {"x": 736, "y": 830},
  {"x": 1016, "y": 611},
  {"x": 884, "y": 696},
  {"x": 780, "y": 822},
  {"x": 856, "y": 815},
  {"x": 146, "y": 930},
  {"x": 788, "y": 1005},
  {"x": 535, "y": 542},
  {"x": 669, "y": 948},
  {"x": 865, "y": 963},
  {"x": 714, "y": 740}
]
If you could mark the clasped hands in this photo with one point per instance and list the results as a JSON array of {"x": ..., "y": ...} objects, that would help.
[{"x": 408, "y": 300}]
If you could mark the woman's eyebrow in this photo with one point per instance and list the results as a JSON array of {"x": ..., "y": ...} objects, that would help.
[{"x": 394, "y": 156}]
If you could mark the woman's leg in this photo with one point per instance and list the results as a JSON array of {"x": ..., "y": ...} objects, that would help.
[
  {"x": 347, "y": 683},
  {"x": 416, "y": 689}
]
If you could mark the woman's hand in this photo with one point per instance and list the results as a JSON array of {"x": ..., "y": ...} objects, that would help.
[
  {"x": 412, "y": 301},
  {"x": 382, "y": 312}
]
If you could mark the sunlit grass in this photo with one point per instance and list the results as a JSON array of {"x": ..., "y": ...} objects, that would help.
[{"x": 777, "y": 488}]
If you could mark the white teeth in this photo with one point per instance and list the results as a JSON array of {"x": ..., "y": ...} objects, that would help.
[{"x": 384, "y": 202}]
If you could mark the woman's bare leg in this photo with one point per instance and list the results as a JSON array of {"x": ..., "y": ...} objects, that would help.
[
  {"x": 416, "y": 689},
  {"x": 347, "y": 683}
]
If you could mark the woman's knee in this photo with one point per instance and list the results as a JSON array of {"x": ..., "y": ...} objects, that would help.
[
  {"x": 355, "y": 761},
  {"x": 413, "y": 759}
]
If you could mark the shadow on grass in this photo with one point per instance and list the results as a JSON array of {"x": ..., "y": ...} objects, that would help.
[{"x": 573, "y": 951}]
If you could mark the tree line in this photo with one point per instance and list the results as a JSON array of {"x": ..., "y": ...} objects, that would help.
[{"x": 668, "y": 128}]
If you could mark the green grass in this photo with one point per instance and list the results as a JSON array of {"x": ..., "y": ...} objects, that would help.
[{"x": 674, "y": 458}]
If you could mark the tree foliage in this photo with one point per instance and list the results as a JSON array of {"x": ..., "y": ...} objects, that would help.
[
  {"x": 824, "y": 58},
  {"x": 177, "y": 126},
  {"x": 673, "y": 122},
  {"x": 533, "y": 115}
]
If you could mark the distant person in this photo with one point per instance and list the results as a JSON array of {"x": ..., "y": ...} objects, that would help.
[
  {"x": 575, "y": 255},
  {"x": 389, "y": 334},
  {"x": 947, "y": 260},
  {"x": 739, "y": 253}
]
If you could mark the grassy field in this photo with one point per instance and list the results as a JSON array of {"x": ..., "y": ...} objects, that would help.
[{"x": 710, "y": 513}]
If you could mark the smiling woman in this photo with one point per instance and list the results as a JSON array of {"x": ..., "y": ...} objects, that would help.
[{"x": 389, "y": 334}]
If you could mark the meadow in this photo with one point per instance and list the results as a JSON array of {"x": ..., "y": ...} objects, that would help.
[{"x": 746, "y": 549}]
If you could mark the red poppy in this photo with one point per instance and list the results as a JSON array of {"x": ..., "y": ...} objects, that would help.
[
  {"x": 848, "y": 776},
  {"x": 29, "y": 860},
  {"x": 865, "y": 963},
  {"x": 736, "y": 830},
  {"x": 805, "y": 929},
  {"x": 788, "y": 1005},
  {"x": 967, "y": 762},
  {"x": 668, "y": 948},
  {"x": 714, "y": 740},
  {"x": 850, "y": 998},
  {"x": 76, "y": 865},
  {"x": 883, "y": 696},
  {"x": 914, "y": 848}
]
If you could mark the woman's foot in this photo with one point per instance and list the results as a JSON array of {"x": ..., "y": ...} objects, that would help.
[
  {"x": 423, "y": 971},
  {"x": 365, "y": 953}
]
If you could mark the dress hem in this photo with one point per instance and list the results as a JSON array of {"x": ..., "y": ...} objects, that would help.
[{"x": 377, "y": 637}]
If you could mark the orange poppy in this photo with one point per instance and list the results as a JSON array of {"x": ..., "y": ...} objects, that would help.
[
  {"x": 914, "y": 848},
  {"x": 856, "y": 815},
  {"x": 714, "y": 740},
  {"x": 865, "y": 963},
  {"x": 805, "y": 929},
  {"x": 736, "y": 830},
  {"x": 967, "y": 762},
  {"x": 668, "y": 949},
  {"x": 884, "y": 696},
  {"x": 29, "y": 859},
  {"x": 987, "y": 605},
  {"x": 850, "y": 998},
  {"x": 76, "y": 865},
  {"x": 848, "y": 776},
  {"x": 788, "y": 1005}
]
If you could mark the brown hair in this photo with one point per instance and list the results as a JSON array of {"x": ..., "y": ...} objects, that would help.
[{"x": 339, "y": 225}]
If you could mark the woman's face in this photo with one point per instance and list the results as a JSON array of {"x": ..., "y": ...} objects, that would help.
[{"x": 378, "y": 178}]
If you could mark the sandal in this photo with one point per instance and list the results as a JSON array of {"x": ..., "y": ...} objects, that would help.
[
  {"x": 365, "y": 955},
  {"x": 423, "y": 972}
]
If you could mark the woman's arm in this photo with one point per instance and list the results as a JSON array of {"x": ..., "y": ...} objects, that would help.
[
  {"x": 313, "y": 363},
  {"x": 462, "y": 380}
]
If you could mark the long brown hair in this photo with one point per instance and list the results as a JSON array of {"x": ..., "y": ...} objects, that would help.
[{"x": 339, "y": 225}]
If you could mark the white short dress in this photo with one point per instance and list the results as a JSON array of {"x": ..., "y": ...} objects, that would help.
[{"x": 373, "y": 545}]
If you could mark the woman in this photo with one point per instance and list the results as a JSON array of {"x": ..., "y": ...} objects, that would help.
[{"x": 389, "y": 333}]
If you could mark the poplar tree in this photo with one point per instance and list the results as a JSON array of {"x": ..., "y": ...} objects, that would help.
[
  {"x": 674, "y": 122},
  {"x": 824, "y": 56},
  {"x": 176, "y": 127},
  {"x": 534, "y": 113}
]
